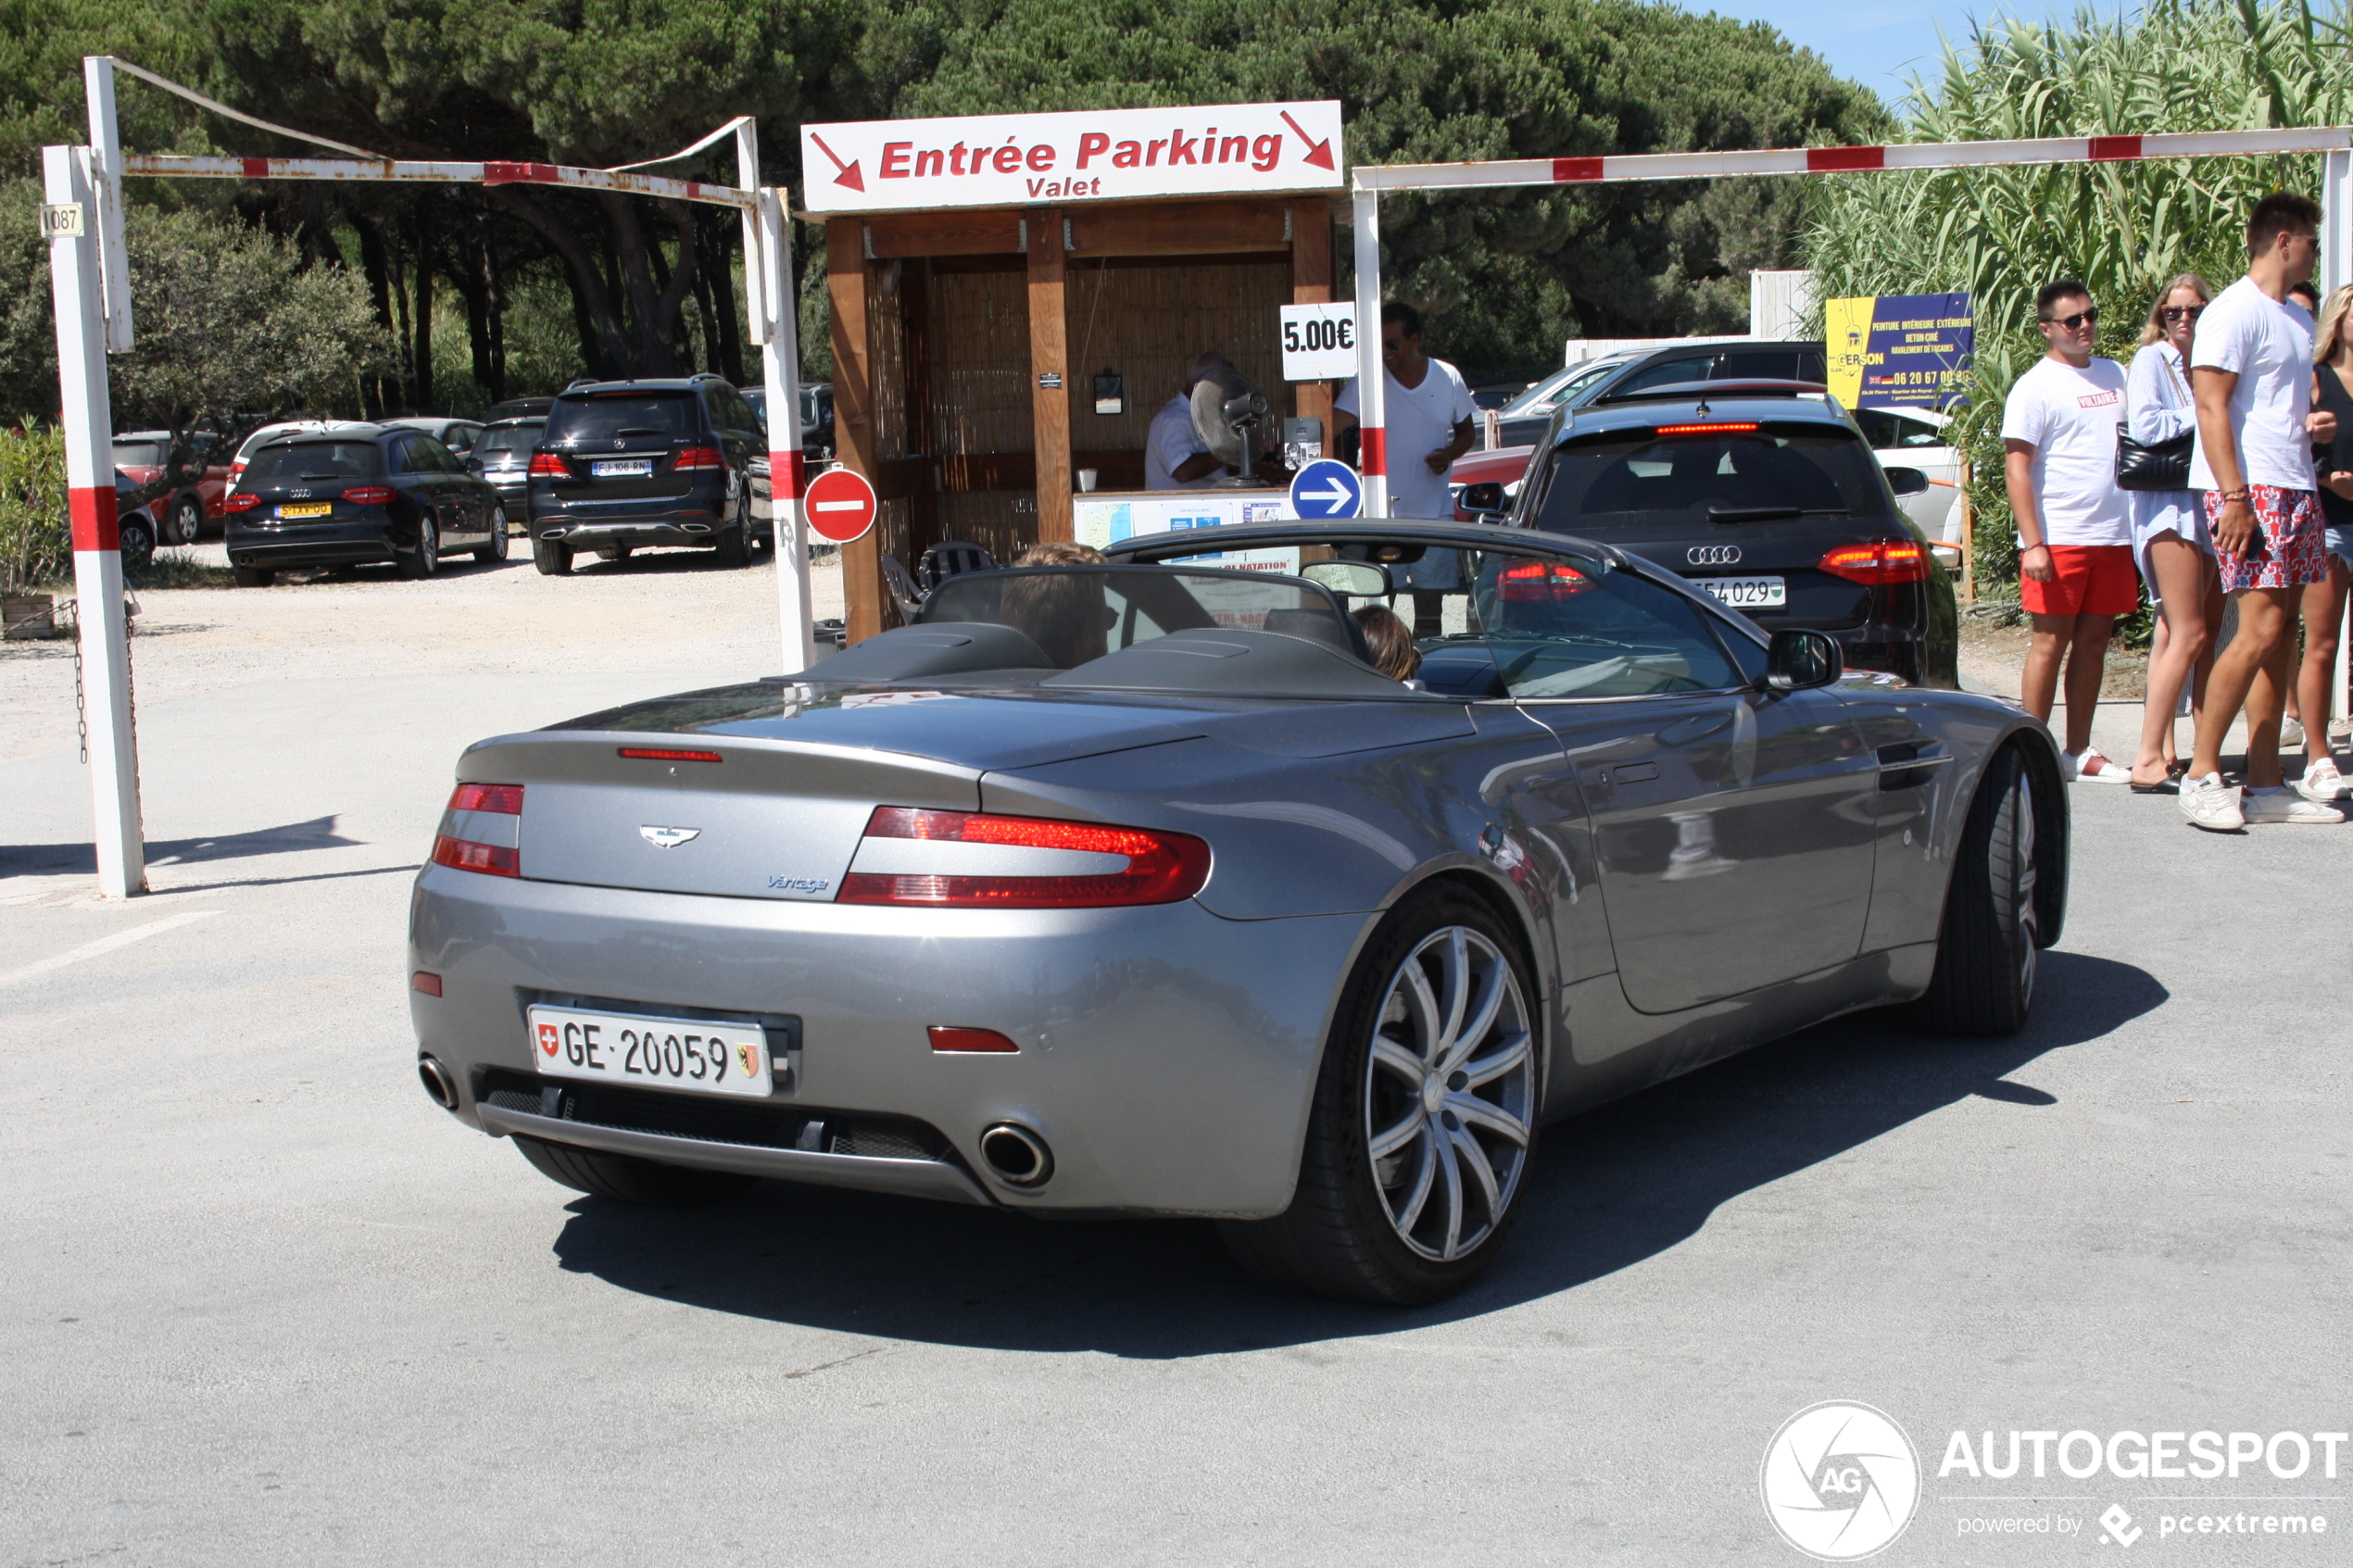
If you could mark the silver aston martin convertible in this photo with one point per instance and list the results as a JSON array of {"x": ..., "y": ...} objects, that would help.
[{"x": 1139, "y": 889}]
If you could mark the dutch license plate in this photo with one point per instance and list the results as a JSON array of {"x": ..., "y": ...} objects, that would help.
[
  {"x": 668, "y": 1053},
  {"x": 1746, "y": 593},
  {"x": 622, "y": 468},
  {"x": 306, "y": 509}
]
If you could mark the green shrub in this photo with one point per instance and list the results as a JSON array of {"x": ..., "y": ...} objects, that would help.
[{"x": 37, "y": 540}]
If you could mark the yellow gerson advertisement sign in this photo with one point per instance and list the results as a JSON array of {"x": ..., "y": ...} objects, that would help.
[{"x": 1899, "y": 350}]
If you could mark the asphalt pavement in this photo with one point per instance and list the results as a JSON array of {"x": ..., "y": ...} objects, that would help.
[{"x": 261, "y": 1302}]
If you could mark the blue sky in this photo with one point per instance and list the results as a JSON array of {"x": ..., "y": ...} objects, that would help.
[{"x": 1881, "y": 43}]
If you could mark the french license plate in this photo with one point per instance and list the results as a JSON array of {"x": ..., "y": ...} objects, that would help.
[
  {"x": 669, "y": 1053},
  {"x": 1746, "y": 593},
  {"x": 622, "y": 468},
  {"x": 306, "y": 509}
]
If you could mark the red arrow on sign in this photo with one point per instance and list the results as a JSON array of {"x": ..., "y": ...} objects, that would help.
[
  {"x": 1318, "y": 153},
  {"x": 840, "y": 505},
  {"x": 846, "y": 173}
]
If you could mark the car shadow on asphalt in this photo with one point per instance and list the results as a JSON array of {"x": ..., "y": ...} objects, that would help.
[
  {"x": 1608, "y": 1190},
  {"x": 54, "y": 859}
]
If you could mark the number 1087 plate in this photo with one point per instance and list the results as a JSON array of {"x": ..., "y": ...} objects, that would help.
[
  {"x": 664, "y": 1053},
  {"x": 1746, "y": 593}
]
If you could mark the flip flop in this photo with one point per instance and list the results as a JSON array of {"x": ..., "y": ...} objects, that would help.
[{"x": 2164, "y": 787}]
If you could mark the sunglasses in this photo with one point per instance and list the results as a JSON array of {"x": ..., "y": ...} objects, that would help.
[
  {"x": 2082, "y": 317},
  {"x": 2180, "y": 312}
]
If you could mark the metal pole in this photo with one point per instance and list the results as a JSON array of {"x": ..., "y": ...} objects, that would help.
[
  {"x": 105, "y": 178},
  {"x": 97, "y": 549},
  {"x": 774, "y": 312},
  {"x": 2336, "y": 270},
  {"x": 1371, "y": 378}
]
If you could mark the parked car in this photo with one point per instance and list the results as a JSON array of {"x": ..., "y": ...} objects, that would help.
[
  {"x": 1180, "y": 907},
  {"x": 518, "y": 408},
  {"x": 1767, "y": 498},
  {"x": 135, "y": 527},
  {"x": 145, "y": 455},
  {"x": 502, "y": 455},
  {"x": 457, "y": 435},
  {"x": 269, "y": 433},
  {"x": 350, "y": 498},
  {"x": 624, "y": 465},
  {"x": 816, "y": 417},
  {"x": 1506, "y": 466},
  {"x": 1639, "y": 369},
  {"x": 1914, "y": 438}
]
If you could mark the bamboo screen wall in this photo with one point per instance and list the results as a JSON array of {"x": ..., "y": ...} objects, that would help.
[{"x": 1146, "y": 320}]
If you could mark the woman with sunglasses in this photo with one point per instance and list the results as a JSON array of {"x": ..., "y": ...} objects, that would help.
[
  {"x": 2171, "y": 543},
  {"x": 2324, "y": 621}
]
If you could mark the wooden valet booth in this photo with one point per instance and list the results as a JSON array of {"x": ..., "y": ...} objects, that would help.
[{"x": 1015, "y": 296}]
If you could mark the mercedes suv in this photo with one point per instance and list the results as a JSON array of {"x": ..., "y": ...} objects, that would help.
[
  {"x": 624, "y": 465},
  {"x": 1762, "y": 494}
]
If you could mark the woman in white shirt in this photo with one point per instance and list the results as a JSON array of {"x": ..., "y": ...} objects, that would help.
[{"x": 2171, "y": 543}]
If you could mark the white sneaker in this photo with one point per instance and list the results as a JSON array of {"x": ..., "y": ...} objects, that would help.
[
  {"x": 2090, "y": 767},
  {"x": 2291, "y": 732},
  {"x": 2210, "y": 804},
  {"x": 2284, "y": 805},
  {"x": 2321, "y": 781}
]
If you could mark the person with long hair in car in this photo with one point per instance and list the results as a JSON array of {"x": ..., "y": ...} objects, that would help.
[{"x": 2170, "y": 544}]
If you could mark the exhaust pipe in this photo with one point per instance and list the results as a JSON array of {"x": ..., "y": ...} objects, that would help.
[
  {"x": 439, "y": 1083},
  {"x": 1019, "y": 1157}
]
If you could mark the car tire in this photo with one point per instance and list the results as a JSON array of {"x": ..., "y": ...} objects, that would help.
[
  {"x": 734, "y": 553},
  {"x": 425, "y": 559},
  {"x": 1987, "y": 951},
  {"x": 137, "y": 538},
  {"x": 496, "y": 549},
  {"x": 552, "y": 556},
  {"x": 624, "y": 1178},
  {"x": 187, "y": 520},
  {"x": 1388, "y": 1209},
  {"x": 252, "y": 576}
]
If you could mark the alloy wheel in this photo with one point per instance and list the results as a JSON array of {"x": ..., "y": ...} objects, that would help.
[
  {"x": 1449, "y": 1088},
  {"x": 2023, "y": 880}
]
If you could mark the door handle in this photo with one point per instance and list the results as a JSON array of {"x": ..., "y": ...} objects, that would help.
[{"x": 1635, "y": 772}]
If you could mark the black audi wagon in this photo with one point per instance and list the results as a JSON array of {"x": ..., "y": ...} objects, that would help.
[{"x": 397, "y": 496}]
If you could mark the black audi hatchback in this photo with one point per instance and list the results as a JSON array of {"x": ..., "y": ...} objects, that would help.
[
  {"x": 1763, "y": 494},
  {"x": 624, "y": 465},
  {"x": 350, "y": 499}
]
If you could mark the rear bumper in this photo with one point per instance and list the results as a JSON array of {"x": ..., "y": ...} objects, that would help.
[
  {"x": 340, "y": 544},
  {"x": 589, "y": 532},
  {"x": 1166, "y": 1056}
]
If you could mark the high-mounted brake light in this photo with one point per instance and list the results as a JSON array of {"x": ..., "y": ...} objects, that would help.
[
  {"x": 239, "y": 501},
  {"x": 547, "y": 465},
  {"x": 506, "y": 800},
  {"x": 1884, "y": 561},
  {"x": 369, "y": 495},
  {"x": 1726, "y": 429},
  {"x": 698, "y": 457},
  {"x": 1162, "y": 868},
  {"x": 664, "y": 754}
]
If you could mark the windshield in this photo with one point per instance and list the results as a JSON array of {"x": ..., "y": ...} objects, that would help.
[
  {"x": 314, "y": 462},
  {"x": 1542, "y": 397},
  {"x": 614, "y": 416},
  {"x": 1077, "y": 613},
  {"x": 140, "y": 454},
  {"x": 1702, "y": 474},
  {"x": 509, "y": 438}
]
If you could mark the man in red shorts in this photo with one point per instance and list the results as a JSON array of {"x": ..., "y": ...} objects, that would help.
[
  {"x": 2251, "y": 372},
  {"x": 2074, "y": 530}
]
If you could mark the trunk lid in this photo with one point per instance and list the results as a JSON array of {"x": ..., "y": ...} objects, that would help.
[{"x": 622, "y": 446}]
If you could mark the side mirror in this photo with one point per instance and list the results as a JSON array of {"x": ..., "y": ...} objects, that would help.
[
  {"x": 1484, "y": 500},
  {"x": 1802, "y": 659},
  {"x": 1350, "y": 579},
  {"x": 1906, "y": 481}
]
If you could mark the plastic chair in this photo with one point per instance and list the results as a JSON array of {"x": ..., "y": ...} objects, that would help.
[{"x": 903, "y": 592}]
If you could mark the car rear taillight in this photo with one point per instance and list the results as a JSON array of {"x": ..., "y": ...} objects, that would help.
[
  {"x": 369, "y": 494},
  {"x": 239, "y": 501},
  {"x": 1541, "y": 582},
  {"x": 1158, "y": 868},
  {"x": 1882, "y": 560},
  {"x": 466, "y": 854},
  {"x": 547, "y": 465},
  {"x": 698, "y": 457}
]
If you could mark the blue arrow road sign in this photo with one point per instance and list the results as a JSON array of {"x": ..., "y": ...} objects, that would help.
[{"x": 1326, "y": 487}]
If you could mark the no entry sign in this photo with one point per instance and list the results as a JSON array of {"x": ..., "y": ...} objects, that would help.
[{"x": 841, "y": 504}]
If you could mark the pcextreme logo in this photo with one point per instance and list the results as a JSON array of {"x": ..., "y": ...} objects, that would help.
[{"x": 1840, "y": 1481}]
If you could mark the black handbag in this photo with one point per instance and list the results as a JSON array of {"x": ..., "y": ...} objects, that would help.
[{"x": 2165, "y": 466}]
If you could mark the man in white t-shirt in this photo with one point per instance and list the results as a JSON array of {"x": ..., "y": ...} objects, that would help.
[
  {"x": 1426, "y": 419},
  {"x": 1175, "y": 455},
  {"x": 2075, "y": 571},
  {"x": 2251, "y": 372}
]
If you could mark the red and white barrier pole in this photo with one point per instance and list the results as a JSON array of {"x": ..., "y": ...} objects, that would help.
[
  {"x": 774, "y": 312},
  {"x": 1372, "y": 376},
  {"x": 74, "y": 272}
]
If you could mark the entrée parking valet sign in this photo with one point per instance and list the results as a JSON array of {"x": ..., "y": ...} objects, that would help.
[{"x": 1106, "y": 155}]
